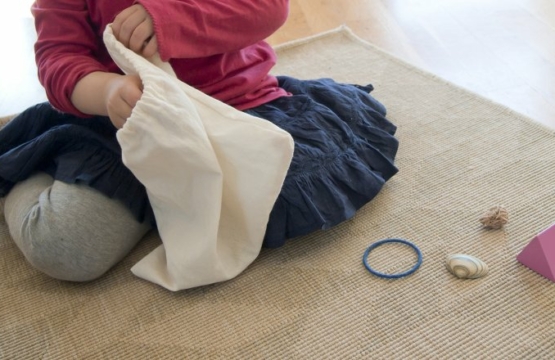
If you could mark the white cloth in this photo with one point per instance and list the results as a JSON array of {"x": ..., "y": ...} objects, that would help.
[{"x": 212, "y": 175}]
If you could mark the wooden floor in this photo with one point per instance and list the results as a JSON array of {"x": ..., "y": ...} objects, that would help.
[{"x": 501, "y": 49}]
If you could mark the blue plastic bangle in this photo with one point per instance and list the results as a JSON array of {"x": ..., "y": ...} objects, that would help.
[{"x": 392, "y": 276}]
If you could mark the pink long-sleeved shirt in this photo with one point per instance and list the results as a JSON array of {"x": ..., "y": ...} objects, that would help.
[{"x": 215, "y": 46}]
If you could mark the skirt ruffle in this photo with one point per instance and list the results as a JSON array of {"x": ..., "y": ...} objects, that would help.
[
  {"x": 72, "y": 150},
  {"x": 344, "y": 154}
]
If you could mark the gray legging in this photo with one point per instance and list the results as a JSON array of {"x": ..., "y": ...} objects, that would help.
[{"x": 69, "y": 231}]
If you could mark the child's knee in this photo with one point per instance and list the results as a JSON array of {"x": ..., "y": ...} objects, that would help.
[
  {"x": 57, "y": 257},
  {"x": 70, "y": 232},
  {"x": 59, "y": 248}
]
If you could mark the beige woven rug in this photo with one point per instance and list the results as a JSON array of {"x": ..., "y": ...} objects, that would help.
[{"x": 313, "y": 299}]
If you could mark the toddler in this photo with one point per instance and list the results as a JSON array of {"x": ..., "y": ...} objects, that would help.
[{"x": 71, "y": 205}]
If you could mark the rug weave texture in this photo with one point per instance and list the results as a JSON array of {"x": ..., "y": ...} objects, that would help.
[{"x": 459, "y": 155}]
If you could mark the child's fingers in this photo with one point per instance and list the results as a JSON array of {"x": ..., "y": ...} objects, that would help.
[
  {"x": 151, "y": 47},
  {"x": 118, "y": 112},
  {"x": 141, "y": 36},
  {"x": 126, "y": 23},
  {"x": 117, "y": 120},
  {"x": 124, "y": 100},
  {"x": 131, "y": 97},
  {"x": 128, "y": 28},
  {"x": 120, "y": 19},
  {"x": 133, "y": 28},
  {"x": 121, "y": 112},
  {"x": 132, "y": 92}
]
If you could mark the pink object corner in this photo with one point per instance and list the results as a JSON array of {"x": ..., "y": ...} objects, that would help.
[{"x": 539, "y": 254}]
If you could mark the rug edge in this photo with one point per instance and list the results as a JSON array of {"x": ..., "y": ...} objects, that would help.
[{"x": 347, "y": 31}]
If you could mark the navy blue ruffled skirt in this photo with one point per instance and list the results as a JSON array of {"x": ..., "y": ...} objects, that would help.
[{"x": 344, "y": 154}]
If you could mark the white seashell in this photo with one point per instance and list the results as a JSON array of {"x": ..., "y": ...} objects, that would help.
[{"x": 466, "y": 266}]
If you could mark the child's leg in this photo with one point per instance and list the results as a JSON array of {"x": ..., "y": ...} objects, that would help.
[{"x": 69, "y": 231}]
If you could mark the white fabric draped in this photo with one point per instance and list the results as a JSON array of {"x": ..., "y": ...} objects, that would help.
[{"x": 212, "y": 175}]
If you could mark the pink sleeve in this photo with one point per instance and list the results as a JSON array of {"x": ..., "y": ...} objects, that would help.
[
  {"x": 65, "y": 49},
  {"x": 201, "y": 28}
]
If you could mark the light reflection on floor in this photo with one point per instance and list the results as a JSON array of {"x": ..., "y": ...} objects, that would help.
[{"x": 19, "y": 87}]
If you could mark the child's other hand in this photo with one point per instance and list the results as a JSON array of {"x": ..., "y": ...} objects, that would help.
[
  {"x": 133, "y": 28},
  {"x": 122, "y": 95}
]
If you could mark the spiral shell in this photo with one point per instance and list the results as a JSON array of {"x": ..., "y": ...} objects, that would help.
[{"x": 466, "y": 266}]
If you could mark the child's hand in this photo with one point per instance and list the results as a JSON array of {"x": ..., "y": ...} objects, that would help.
[
  {"x": 122, "y": 95},
  {"x": 133, "y": 28}
]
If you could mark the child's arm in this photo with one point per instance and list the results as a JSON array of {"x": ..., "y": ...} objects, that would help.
[
  {"x": 199, "y": 28},
  {"x": 102, "y": 93},
  {"x": 64, "y": 50},
  {"x": 74, "y": 80}
]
